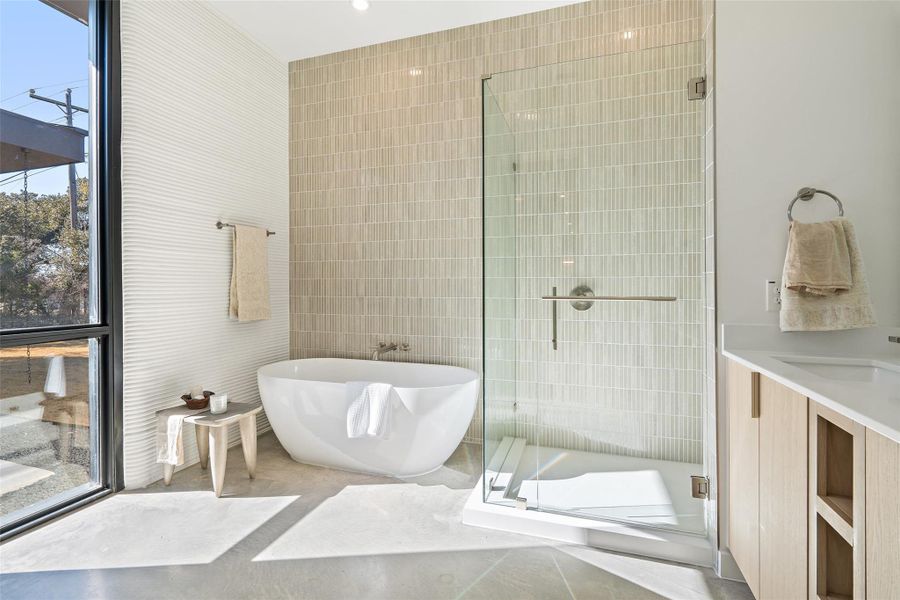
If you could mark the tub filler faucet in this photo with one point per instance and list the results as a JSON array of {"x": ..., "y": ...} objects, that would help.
[{"x": 384, "y": 348}]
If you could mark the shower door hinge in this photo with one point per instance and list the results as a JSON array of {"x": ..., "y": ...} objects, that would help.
[
  {"x": 515, "y": 167},
  {"x": 697, "y": 88},
  {"x": 700, "y": 486}
]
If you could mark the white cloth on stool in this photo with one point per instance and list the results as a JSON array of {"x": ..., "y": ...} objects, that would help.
[{"x": 169, "y": 442}]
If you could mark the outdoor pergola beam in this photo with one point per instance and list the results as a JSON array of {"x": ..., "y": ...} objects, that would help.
[
  {"x": 77, "y": 9},
  {"x": 27, "y": 143}
]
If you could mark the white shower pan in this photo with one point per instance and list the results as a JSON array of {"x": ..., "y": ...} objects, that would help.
[{"x": 627, "y": 504}]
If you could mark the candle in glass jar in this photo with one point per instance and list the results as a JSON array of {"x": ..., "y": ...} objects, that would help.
[{"x": 218, "y": 403}]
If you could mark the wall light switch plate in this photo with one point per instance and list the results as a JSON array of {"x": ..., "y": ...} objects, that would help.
[{"x": 773, "y": 296}]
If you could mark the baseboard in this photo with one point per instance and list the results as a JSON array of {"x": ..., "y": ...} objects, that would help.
[{"x": 726, "y": 567}]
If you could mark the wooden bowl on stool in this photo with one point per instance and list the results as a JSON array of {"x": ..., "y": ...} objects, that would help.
[{"x": 197, "y": 403}]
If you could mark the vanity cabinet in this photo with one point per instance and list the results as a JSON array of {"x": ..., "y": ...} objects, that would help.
[
  {"x": 882, "y": 517},
  {"x": 743, "y": 468},
  {"x": 767, "y": 442},
  {"x": 814, "y": 496}
]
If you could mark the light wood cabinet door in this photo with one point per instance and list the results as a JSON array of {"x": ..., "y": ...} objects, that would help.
[
  {"x": 882, "y": 517},
  {"x": 743, "y": 470},
  {"x": 783, "y": 489}
]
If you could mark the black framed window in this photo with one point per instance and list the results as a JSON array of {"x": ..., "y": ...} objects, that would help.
[{"x": 60, "y": 248}]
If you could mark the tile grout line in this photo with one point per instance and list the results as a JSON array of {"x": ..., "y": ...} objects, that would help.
[
  {"x": 563, "y": 575},
  {"x": 482, "y": 576}
]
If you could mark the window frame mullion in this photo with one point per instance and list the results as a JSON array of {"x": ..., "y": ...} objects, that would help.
[{"x": 44, "y": 335}]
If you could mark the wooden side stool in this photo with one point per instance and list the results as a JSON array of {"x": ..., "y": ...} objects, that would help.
[{"x": 212, "y": 440}]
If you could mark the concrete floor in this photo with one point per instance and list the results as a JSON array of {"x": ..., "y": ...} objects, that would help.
[{"x": 298, "y": 531}]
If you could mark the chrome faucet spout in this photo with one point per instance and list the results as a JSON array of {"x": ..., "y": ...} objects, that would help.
[{"x": 383, "y": 349}]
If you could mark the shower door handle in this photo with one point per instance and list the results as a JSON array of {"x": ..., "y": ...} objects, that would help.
[
  {"x": 595, "y": 298},
  {"x": 588, "y": 299},
  {"x": 553, "y": 313}
]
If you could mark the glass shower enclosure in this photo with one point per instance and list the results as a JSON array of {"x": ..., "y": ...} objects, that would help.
[{"x": 594, "y": 319}]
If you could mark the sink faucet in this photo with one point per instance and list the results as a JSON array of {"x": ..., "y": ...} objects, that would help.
[{"x": 385, "y": 348}]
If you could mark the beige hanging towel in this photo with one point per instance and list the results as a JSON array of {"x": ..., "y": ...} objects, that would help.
[
  {"x": 818, "y": 259},
  {"x": 249, "y": 275},
  {"x": 824, "y": 285}
]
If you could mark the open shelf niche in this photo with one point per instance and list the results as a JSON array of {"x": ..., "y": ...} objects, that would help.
[{"x": 836, "y": 505}]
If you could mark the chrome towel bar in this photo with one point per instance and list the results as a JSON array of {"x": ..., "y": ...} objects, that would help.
[
  {"x": 806, "y": 194},
  {"x": 220, "y": 225}
]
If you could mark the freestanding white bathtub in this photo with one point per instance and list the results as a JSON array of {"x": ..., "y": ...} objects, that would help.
[{"x": 306, "y": 403}]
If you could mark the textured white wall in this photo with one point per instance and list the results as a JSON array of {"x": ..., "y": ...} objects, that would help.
[{"x": 204, "y": 136}]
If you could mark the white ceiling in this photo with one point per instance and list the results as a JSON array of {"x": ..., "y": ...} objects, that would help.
[{"x": 294, "y": 29}]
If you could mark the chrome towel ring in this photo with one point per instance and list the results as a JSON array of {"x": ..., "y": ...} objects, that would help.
[{"x": 806, "y": 194}]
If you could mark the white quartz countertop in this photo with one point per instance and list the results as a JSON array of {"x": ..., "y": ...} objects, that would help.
[{"x": 874, "y": 405}]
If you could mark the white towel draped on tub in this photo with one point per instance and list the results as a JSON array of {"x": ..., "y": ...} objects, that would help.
[
  {"x": 249, "y": 297},
  {"x": 815, "y": 295},
  {"x": 370, "y": 411}
]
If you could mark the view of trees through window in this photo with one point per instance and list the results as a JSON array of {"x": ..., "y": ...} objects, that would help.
[
  {"x": 49, "y": 393},
  {"x": 44, "y": 191},
  {"x": 43, "y": 259}
]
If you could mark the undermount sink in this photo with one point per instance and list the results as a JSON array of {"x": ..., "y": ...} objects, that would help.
[{"x": 848, "y": 369}]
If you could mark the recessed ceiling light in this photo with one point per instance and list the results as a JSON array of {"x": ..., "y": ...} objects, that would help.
[{"x": 359, "y": 4}]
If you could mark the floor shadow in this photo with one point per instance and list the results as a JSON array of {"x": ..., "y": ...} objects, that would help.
[
  {"x": 520, "y": 573},
  {"x": 311, "y": 532},
  {"x": 278, "y": 474}
]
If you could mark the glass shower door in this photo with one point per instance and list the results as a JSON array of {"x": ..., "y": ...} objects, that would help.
[
  {"x": 597, "y": 252},
  {"x": 499, "y": 235}
]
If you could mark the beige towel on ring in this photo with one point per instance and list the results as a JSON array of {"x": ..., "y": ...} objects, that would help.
[
  {"x": 249, "y": 297},
  {"x": 817, "y": 260},
  {"x": 815, "y": 292}
]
